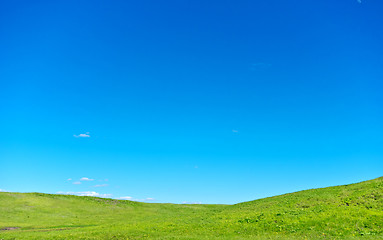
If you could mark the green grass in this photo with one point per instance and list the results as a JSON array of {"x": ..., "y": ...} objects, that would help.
[{"x": 352, "y": 211}]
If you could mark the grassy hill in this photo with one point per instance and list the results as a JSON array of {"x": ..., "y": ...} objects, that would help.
[{"x": 352, "y": 211}]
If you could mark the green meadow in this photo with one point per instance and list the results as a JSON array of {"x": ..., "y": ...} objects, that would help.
[{"x": 352, "y": 211}]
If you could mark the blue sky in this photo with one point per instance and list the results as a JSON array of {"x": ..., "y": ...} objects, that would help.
[{"x": 189, "y": 101}]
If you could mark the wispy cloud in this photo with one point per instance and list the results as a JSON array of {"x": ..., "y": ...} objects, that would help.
[
  {"x": 87, "y": 193},
  {"x": 137, "y": 199},
  {"x": 234, "y": 131},
  {"x": 82, "y": 135},
  {"x": 103, "y": 180},
  {"x": 101, "y": 185},
  {"x": 86, "y": 179},
  {"x": 125, "y": 198},
  {"x": 2, "y": 190},
  {"x": 76, "y": 183},
  {"x": 69, "y": 179}
]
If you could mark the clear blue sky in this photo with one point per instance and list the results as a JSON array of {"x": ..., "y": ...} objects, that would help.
[{"x": 188, "y": 100}]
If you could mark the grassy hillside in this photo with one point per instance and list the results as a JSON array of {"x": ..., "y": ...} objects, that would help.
[{"x": 343, "y": 212}]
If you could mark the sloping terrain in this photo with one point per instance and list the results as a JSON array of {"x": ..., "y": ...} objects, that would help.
[{"x": 352, "y": 211}]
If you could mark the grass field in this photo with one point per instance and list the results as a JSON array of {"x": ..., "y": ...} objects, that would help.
[{"x": 352, "y": 211}]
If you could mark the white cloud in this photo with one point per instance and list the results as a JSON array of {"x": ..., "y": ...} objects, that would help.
[
  {"x": 137, "y": 199},
  {"x": 86, "y": 179},
  {"x": 87, "y": 193},
  {"x": 101, "y": 185},
  {"x": 125, "y": 198},
  {"x": 76, "y": 183},
  {"x": 234, "y": 131},
  {"x": 143, "y": 200},
  {"x": 2, "y": 190},
  {"x": 82, "y": 135},
  {"x": 69, "y": 179}
]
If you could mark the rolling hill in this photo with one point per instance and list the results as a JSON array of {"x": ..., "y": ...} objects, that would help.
[{"x": 352, "y": 211}]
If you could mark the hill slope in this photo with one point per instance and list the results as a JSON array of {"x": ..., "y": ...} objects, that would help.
[{"x": 341, "y": 212}]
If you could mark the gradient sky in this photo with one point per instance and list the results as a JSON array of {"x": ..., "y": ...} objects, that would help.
[{"x": 189, "y": 100}]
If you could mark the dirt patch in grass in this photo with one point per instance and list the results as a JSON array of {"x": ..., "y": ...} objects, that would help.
[
  {"x": 9, "y": 228},
  {"x": 62, "y": 228},
  {"x": 50, "y": 230}
]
